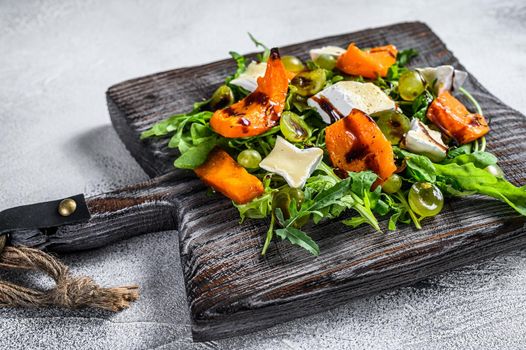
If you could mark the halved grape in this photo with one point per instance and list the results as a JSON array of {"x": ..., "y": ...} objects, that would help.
[
  {"x": 293, "y": 127},
  {"x": 292, "y": 64},
  {"x": 326, "y": 61},
  {"x": 425, "y": 199},
  {"x": 249, "y": 158},
  {"x": 392, "y": 184},
  {"x": 410, "y": 85},
  {"x": 283, "y": 200},
  {"x": 221, "y": 98},
  {"x": 309, "y": 83},
  {"x": 393, "y": 125}
]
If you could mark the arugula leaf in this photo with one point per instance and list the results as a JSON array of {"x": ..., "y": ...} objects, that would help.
[
  {"x": 419, "y": 167},
  {"x": 464, "y": 175},
  {"x": 191, "y": 135},
  {"x": 319, "y": 183},
  {"x": 176, "y": 123},
  {"x": 403, "y": 57},
  {"x": 467, "y": 177},
  {"x": 300, "y": 238},
  {"x": 356, "y": 196},
  {"x": 336, "y": 78},
  {"x": 266, "y": 51},
  {"x": 199, "y": 106},
  {"x": 399, "y": 215},
  {"x": 421, "y": 104},
  {"x": 259, "y": 207},
  {"x": 362, "y": 181},
  {"x": 195, "y": 156},
  {"x": 393, "y": 73},
  {"x": 354, "y": 221},
  {"x": 402, "y": 211},
  {"x": 363, "y": 199},
  {"x": 361, "y": 187},
  {"x": 200, "y": 133},
  {"x": 263, "y": 143},
  {"x": 330, "y": 196},
  {"x": 381, "y": 207},
  {"x": 241, "y": 66},
  {"x": 455, "y": 152},
  {"x": 479, "y": 159},
  {"x": 327, "y": 196},
  {"x": 399, "y": 211}
]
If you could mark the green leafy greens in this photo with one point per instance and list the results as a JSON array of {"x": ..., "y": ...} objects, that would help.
[
  {"x": 469, "y": 177},
  {"x": 356, "y": 199},
  {"x": 465, "y": 174}
]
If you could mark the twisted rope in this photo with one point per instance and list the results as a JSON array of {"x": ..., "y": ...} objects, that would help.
[{"x": 70, "y": 291}]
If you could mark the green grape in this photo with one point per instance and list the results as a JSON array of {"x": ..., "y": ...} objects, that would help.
[
  {"x": 293, "y": 127},
  {"x": 309, "y": 83},
  {"x": 326, "y": 61},
  {"x": 393, "y": 125},
  {"x": 292, "y": 64},
  {"x": 249, "y": 158},
  {"x": 410, "y": 85},
  {"x": 495, "y": 170},
  {"x": 283, "y": 199},
  {"x": 425, "y": 199},
  {"x": 221, "y": 98},
  {"x": 392, "y": 184}
]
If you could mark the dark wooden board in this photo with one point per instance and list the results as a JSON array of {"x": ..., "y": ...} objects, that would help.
[{"x": 230, "y": 288}]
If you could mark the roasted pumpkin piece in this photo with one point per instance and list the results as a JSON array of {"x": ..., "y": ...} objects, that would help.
[
  {"x": 356, "y": 143},
  {"x": 259, "y": 111},
  {"x": 453, "y": 118},
  {"x": 225, "y": 175},
  {"x": 369, "y": 63}
]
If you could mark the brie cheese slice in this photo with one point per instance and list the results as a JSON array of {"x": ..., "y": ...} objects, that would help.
[
  {"x": 248, "y": 80},
  {"x": 443, "y": 78},
  {"x": 293, "y": 164},
  {"x": 338, "y": 100},
  {"x": 422, "y": 140},
  {"x": 326, "y": 50}
]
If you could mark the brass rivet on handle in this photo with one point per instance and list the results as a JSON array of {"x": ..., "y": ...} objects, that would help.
[{"x": 67, "y": 207}]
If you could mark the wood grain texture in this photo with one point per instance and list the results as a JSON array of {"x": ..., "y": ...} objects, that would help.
[{"x": 230, "y": 288}]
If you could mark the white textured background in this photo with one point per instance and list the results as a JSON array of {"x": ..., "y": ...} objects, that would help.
[{"x": 57, "y": 58}]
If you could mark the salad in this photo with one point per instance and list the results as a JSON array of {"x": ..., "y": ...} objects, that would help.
[{"x": 351, "y": 134}]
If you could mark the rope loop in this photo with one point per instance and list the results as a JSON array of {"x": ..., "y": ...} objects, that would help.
[{"x": 69, "y": 292}]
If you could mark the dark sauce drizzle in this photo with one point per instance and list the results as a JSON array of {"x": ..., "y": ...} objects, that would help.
[{"x": 328, "y": 107}]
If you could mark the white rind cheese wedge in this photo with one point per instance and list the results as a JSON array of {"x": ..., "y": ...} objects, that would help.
[
  {"x": 338, "y": 100},
  {"x": 443, "y": 78},
  {"x": 293, "y": 164},
  {"x": 248, "y": 80},
  {"x": 326, "y": 50},
  {"x": 422, "y": 140}
]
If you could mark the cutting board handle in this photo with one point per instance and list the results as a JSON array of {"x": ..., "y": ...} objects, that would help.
[{"x": 148, "y": 207}]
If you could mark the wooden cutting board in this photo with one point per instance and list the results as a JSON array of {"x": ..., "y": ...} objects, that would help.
[{"x": 230, "y": 288}]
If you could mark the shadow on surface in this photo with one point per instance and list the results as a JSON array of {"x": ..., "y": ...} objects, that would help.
[{"x": 104, "y": 151}]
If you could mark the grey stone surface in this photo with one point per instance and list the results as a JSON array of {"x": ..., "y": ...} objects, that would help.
[{"x": 58, "y": 57}]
